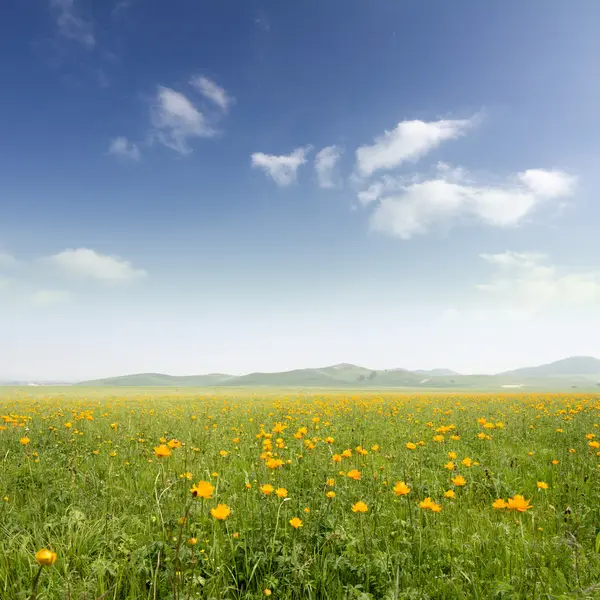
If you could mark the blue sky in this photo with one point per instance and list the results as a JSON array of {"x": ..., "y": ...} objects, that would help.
[{"x": 233, "y": 186}]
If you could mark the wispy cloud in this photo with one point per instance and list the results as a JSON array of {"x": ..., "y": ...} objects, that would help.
[
  {"x": 7, "y": 260},
  {"x": 122, "y": 148},
  {"x": 176, "y": 120},
  {"x": 48, "y": 297},
  {"x": 213, "y": 92},
  {"x": 405, "y": 208},
  {"x": 325, "y": 162},
  {"x": 281, "y": 169},
  {"x": 71, "y": 24},
  {"x": 408, "y": 141},
  {"x": 530, "y": 282},
  {"x": 89, "y": 264}
]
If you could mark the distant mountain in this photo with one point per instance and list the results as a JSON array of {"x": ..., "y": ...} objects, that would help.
[
  {"x": 573, "y": 366},
  {"x": 158, "y": 379},
  {"x": 575, "y": 372},
  {"x": 436, "y": 373}
]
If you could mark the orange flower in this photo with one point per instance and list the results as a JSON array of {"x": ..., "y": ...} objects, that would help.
[
  {"x": 266, "y": 489},
  {"x": 429, "y": 504},
  {"x": 220, "y": 512},
  {"x": 518, "y": 503},
  {"x": 203, "y": 489},
  {"x": 281, "y": 492},
  {"x": 459, "y": 481},
  {"x": 401, "y": 489},
  {"x": 499, "y": 503},
  {"x": 360, "y": 507},
  {"x": 354, "y": 474},
  {"x": 296, "y": 522},
  {"x": 162, "y": 451},
  {"x": 45, "y": 557}
]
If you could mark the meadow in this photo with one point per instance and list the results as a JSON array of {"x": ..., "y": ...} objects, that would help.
[{"x": 191, "y": 494}]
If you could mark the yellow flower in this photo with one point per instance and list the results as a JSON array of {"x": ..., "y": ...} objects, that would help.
[
  {"x": 459, "y": 481},
  {"x": 467, "y": 462},
  {"x": 411, "y": 446},
  {"x": 518, "y": 503},
  {"x": 267, "y": 592},
  {"x": 330, "y": 494},
  {"x": 220, "y": 512},
  {"x": 203, "y": 489},
  {"x": 354, "y": 474},
  {"x": 296, "y": 522},
  {"x": 187, "y": 475},
  {"x": 449, "y": 465},
  {"x": 223, "y": 453},
  {"x": 554, "y": 462},
  {"x": 192, "y": 541},
  {"x": 162, "y": 451},
  {"x": 174, "y": 444},
  {"x": 452, "y": 455},
  {"x": 429, "y": 504},
  {"x": 45, "y": 557},
  {"x": 401, "y": 489},
  {"x": 360, "y": 507},
  {"x": 499, "y": 503},
  {"x": 449, "y": 494},
  {"x": 337, "y": 458},
  {"x": 24, "y": 441},
  {"x": 281, "y": 492},
  {"x": 542, "y": 485},
  {"x": 331, "y": 482},
  {"x": 266, "y": 489}
]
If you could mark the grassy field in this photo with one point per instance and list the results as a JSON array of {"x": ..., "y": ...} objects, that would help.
[{"x": 308, "y": 495}]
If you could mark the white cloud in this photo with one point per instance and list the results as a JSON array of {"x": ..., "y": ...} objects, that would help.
[
  {"x": 47, "y": 297},
  {"x": 122, "y": 148},
  {"x": 282, "y": 169},
  {"x": 87, "y": 263},
  {"x": 530, "y": 283},
  {"x": 71, "y": 25},
  {"x": 7, "y": 260},
  {"x": 176, "y": 120},
  {"x": 409, "y": 141},
  {"x": 325, "y": 163},
  {"x": 405, "y": 208},
  {"x": 548, "y": 184},
  {"x": 213, "y": 92}
]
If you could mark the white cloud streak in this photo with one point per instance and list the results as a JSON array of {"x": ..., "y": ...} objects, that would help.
[
  {"x": 89, "y": 264},
  {"x": 176, "y": 120},
  {"x": 408, "y": 208},
  {"x": 529, "y": 282},
  {"x": 71, "y": 25},
  {"x": 122, "y": 148},
  {"x": 281, "y": 169},
  {"x": 7, "y": 260},
  {"x": 325, "y": 163},
  {"x": 213, "y": 92},
  {"x": 49, "y": 297},
  {"x": 408, "y": 141}
]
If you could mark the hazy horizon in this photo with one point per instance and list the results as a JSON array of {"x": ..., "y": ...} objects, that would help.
[{"x": 194, "y": 188}]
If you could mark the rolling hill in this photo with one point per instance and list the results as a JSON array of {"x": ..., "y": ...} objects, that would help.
[{"x": 573, "y": 372}]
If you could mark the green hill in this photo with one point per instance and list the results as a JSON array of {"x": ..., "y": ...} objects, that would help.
[
  {"x": 574, "y": 372},
  {"x": 159, "y": 380}
]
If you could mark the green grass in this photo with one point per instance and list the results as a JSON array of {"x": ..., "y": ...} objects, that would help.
[{"x": 96, "y": 494}]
